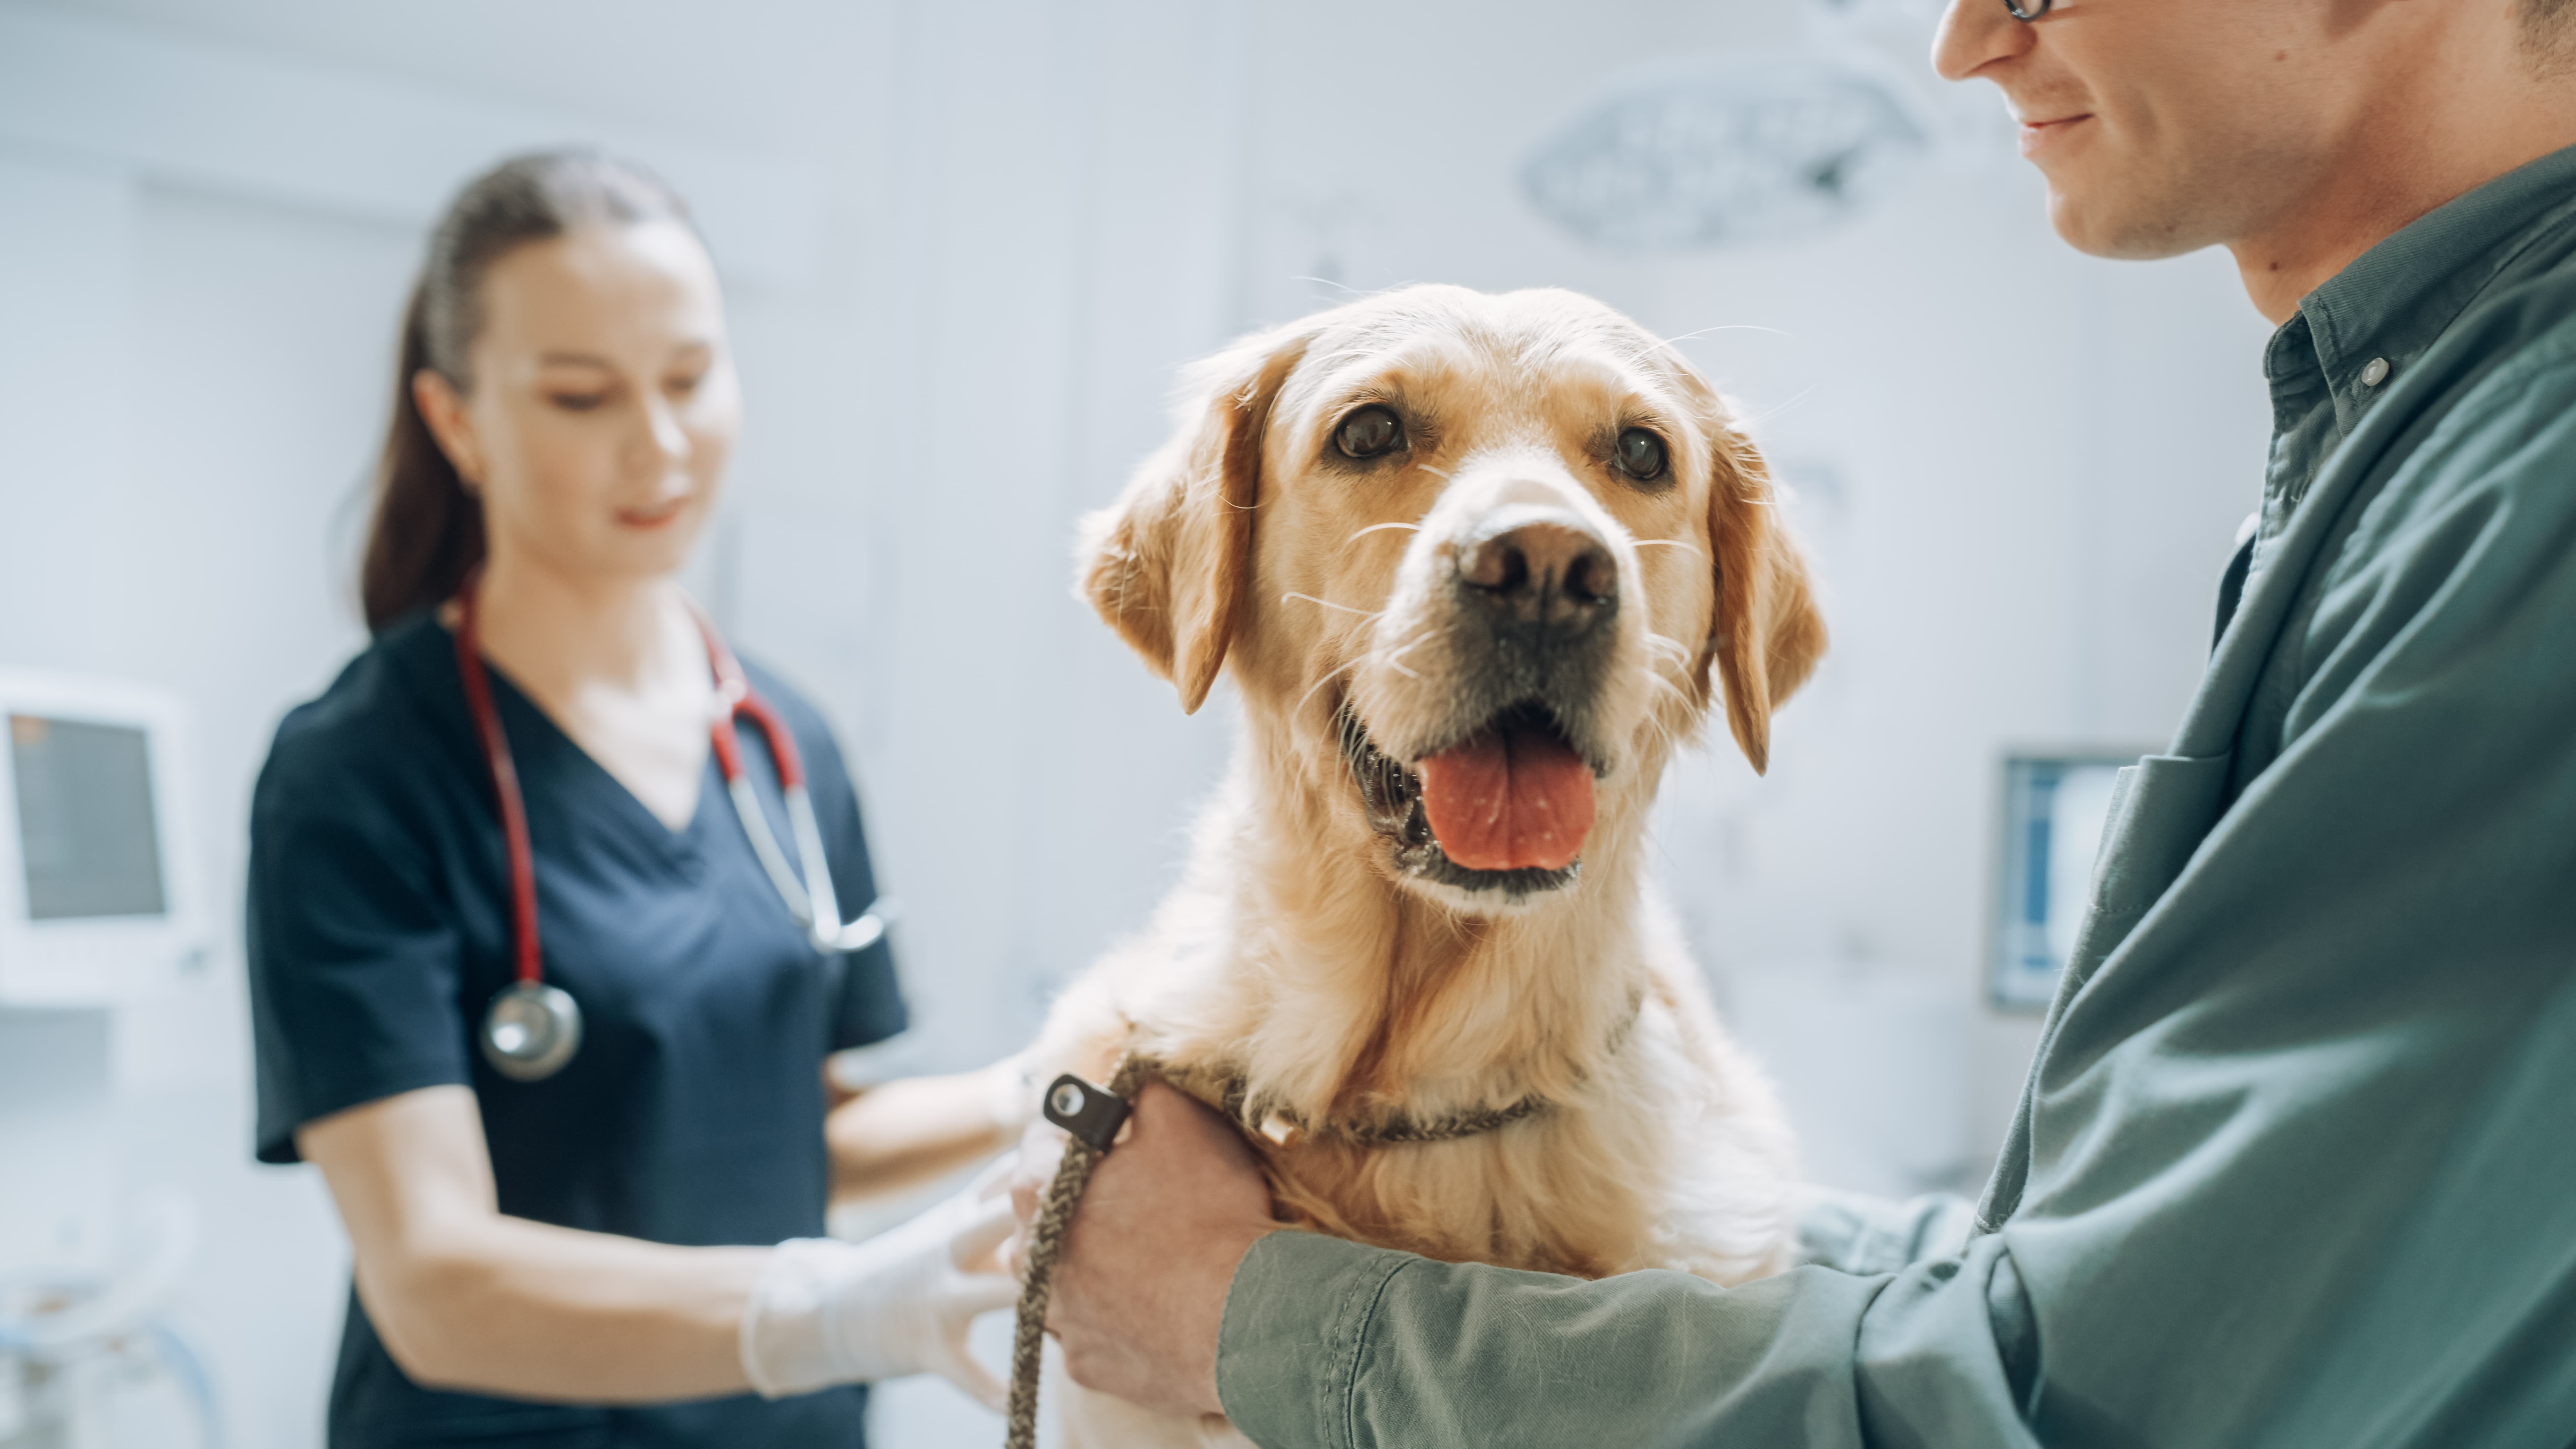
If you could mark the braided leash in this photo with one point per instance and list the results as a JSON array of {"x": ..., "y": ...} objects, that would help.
[
  {"x": 1092, "y": 1117},
  {"x": 1082, "y": 1154}
]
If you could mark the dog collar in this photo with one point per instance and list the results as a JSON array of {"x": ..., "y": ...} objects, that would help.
[{"x": 1226, "y": 1090}]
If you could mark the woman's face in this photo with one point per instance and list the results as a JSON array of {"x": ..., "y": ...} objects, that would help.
[{"x": 602, "y": 406}]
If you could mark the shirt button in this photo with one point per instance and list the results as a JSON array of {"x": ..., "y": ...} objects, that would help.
[{"x": 2374, "y": 372}]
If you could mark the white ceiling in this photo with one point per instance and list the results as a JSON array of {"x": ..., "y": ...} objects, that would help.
[{"x": 775, "y": 74}]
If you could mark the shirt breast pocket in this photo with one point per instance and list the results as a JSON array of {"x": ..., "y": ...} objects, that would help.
[{"x": 2161, "y": 809}]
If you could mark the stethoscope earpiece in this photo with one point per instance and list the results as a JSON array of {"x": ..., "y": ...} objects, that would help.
[
  {"x": 531, "y": 1031},
  {"x": 2027, "y": 11}
]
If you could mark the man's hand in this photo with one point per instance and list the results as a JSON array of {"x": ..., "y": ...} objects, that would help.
[{"x": 1140, "y": 1290}]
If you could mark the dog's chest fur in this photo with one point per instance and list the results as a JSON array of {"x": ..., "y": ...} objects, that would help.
[
  {"x": 1333, "y": 1000},
  {"x": 1661, "y": 1146}
]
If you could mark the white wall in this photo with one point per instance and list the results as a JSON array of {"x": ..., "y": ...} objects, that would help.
[
  {"x": 966, "y": 241},
  {"x": 169, "y": 523}
]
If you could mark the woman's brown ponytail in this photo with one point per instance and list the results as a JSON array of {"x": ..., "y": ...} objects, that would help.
[{"x": 427, "y": 531}]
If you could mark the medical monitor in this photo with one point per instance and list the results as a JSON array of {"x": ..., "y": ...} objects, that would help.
[
  {"x": 2055, "y": 804},
  {"x": 96, "y": 900}
]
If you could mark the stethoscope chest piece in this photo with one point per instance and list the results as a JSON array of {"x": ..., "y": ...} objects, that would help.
[{"x": 531, "y": 1030}]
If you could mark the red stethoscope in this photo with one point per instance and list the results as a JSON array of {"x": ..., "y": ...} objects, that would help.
[{"x": 533, "y": 1028}]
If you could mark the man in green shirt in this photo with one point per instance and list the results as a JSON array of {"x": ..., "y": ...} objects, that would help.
[{"x": 2296, "y": 1163}]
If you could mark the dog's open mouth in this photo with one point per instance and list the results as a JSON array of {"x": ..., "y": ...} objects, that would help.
[{"x": 1506, "y": 807}]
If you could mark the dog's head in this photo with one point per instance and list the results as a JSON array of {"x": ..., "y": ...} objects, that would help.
[{"x": 1470, "y": 556}]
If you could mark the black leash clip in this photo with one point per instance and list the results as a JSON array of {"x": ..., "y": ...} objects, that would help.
[{"x": 1092, "y": 1114}]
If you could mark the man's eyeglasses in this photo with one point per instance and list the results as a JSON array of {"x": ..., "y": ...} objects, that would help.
[{"x": 2027, "y": 11}]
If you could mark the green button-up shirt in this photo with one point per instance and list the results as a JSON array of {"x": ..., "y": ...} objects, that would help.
[{"x": 2296, "y": 1161}]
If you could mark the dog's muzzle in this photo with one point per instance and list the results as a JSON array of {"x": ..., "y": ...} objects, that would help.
[{"x": 1502, "y": 798}]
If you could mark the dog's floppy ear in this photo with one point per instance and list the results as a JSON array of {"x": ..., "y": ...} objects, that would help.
[
  {"x": 1168, "y": 563},
  {"x": 1767, "y": 634}
]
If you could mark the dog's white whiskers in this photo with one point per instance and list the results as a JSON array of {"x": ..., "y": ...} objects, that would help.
[
  {"x": 1329, "y": 282},
  {"x": 1666, "y": 543},
  {"x": 1654, "y": 640},
  {"x": 1407, "y": 647},
  {"x": 1755, "y": 422},
  {"x": 1329, "y": 604},
  {"x": 1393, "y": 658},
  {"x": 1375, "y": 527},
  {"x": 1327, "y": 679},
  {"x": 1441, "y": 473},
  {"x": 1661, "y": 343},
  {"x": 1656, "y": 678},
  {"x": 1664, "y": 731}
]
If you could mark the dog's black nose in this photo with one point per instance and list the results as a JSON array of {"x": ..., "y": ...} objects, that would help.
[{"x": 1549, "y": 573}]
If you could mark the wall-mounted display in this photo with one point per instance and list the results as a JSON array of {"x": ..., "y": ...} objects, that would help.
[
  {"x": 97, "y": 900},
  {"x": 2055, "y": 805}
]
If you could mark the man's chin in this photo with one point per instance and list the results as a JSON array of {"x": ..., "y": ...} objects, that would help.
[{"x": 2124, "y": 228}]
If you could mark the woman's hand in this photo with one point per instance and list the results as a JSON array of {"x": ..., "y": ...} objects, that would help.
[
  {"x": 1140, "y": 1291},
  {"x": 828, "y": 1312}
]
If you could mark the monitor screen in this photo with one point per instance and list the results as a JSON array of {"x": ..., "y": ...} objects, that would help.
[
  {"x": 85, "y": 821},
  {"x": 2054, "y": 809}
]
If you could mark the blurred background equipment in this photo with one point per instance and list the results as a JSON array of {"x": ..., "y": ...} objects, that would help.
[
  {"x": 96, "y": 904},
  {"x": 2054, "y": 810},
  {"x": 78, "y": 1350},
  {"x": 101, "y": 906},
  {"x": 1704, "y": 152}
]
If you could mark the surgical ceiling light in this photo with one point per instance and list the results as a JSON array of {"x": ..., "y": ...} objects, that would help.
[{"x": 1707, "y": 153}]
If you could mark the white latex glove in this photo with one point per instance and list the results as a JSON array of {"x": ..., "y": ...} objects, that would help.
[{"x": 827, "y": 1312}]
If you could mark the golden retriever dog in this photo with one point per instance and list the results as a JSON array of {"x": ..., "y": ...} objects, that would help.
[{"x": 1478, "y": 565}]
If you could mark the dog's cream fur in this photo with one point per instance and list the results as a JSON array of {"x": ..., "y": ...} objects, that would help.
[{"x": 1297, "y": 953}]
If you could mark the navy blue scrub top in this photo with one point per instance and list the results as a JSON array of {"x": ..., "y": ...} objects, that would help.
[{"x": 693, "y": 1114}]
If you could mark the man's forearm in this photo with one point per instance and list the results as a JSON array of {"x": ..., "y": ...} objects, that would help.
[{"x": 1331, "y": 1345}]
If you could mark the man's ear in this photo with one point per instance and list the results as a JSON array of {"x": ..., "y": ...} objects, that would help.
[
  {"x": 1168, "y": 563},
  {"x": 1767, "y": 634}
]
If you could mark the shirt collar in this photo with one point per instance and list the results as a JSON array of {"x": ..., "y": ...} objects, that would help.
[{"x": 2373, "y": 319}]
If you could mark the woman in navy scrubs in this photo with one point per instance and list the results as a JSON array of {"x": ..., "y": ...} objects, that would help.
[{"x": 628, "y": 1251}]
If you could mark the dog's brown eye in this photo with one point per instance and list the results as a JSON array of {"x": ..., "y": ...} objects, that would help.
[
  {"x": 1641, "y": 455},
  {"x": 1369, "y": 433}
]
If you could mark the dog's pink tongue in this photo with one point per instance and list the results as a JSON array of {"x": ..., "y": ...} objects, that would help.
[{"x": 1520, "y": 800}]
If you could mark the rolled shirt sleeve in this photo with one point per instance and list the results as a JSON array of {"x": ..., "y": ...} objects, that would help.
[
  {"x": 1858, "y": 1233},
  {"x": 1414, "y": 1352}
]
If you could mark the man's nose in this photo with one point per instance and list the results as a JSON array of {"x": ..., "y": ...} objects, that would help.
[
  {"x": 1541, "y": 569},
  {"x": 1975, "y": 34}
]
